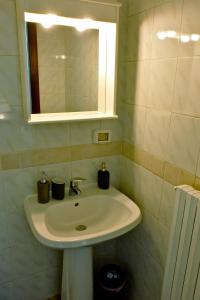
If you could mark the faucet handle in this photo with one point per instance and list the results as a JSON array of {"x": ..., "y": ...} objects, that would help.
[{"x": 76, "y": 180}]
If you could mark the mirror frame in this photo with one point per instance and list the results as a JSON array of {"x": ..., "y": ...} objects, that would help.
[{"x": 107, "y": 70}]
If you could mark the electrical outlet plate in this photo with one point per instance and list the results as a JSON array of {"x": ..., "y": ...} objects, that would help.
[{"x": 102, "y": 136}]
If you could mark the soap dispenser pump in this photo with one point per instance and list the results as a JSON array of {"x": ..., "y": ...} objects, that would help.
[
  {"x": 103, "y": 177},
  {"x": 43, "y": 188}
]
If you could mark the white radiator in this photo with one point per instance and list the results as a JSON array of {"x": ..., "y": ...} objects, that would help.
[{"x": 182, "y": 272}]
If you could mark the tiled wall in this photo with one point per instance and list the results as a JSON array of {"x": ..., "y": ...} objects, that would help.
[
  {"x": 160, "y": 115},
  {"x": 161, "y": 128},
  {"x": 29, "y": 270}
]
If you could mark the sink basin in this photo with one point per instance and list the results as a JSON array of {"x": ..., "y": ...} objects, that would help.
[
  {"x": 74, "y": 225},
  {"x": 95, "y": 216}
]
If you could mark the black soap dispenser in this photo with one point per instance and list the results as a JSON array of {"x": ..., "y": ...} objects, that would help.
[
  {"x": 103, "y": 177},
  {"x": 43, "y": 188}
]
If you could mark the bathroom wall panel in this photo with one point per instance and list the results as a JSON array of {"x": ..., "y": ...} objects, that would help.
[
  {"x": 28, "y": 269},
  {"x": 160, "y": 120}
]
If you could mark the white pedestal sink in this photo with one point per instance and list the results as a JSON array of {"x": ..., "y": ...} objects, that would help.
[{"x": 74, "y": 225}]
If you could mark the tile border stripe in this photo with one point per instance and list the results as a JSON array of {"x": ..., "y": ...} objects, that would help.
[
  {"x": 32, "y": 158},
  {"x": 165, "y": 170}
]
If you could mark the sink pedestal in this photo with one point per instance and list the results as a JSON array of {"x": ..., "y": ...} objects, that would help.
[{"x": 77, "y": 279}]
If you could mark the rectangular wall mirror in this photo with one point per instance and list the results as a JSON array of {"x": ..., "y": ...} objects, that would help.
[{"x": 69, "y": 67}]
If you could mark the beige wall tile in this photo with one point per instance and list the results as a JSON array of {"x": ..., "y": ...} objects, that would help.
[
  {"x": 156, "y": 136},
  {"x": 143, "y": 158},
  {"x": 167, "y": 18},
  {"x": 127, "y": 150},
  {"x": 83, "y": 132},
  {"x": 47, "y": 156},
  {"x": 138, "y": 73},
  {"x": 9, "y": 72},
  {"x": 145, "y": 271},
  {"x": 80, "y": 152},
  {"x": 51, "y": 135},
  {"x": 190, "y": 25},
  {"x": 141, "y": 92},
  {"x": 130, "y": 115},
  {"x": 131, "y": 180},
  {"x": 157, "y": 166},
  {"x": 162, "y": 79},
  {"x": 121, "y": 84},
  {"x": 139, "y": 36},
  {"x": 8, "y": 46},
  {"x": 127, "y": 121},
  {"x": 171, "y": 173},
  {"x": 137, "y": 6},
  {"x": 131, "y": 75},
  {"x": 153, "y": 237},
  {"x": 187, "y": 92},
  {"x": 167, "y": 204},
  {"x": 10, "y": 161},
  {"x": 186, "y": 178},
  {"x": 184, "y": 142},
  {"x": 138, "y": 126},
  {"x": 152, "y": 186},
  {"x": 44, "y": 157}
]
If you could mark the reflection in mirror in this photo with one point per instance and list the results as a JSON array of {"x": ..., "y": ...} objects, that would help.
[{"x": 64, "y": 64}]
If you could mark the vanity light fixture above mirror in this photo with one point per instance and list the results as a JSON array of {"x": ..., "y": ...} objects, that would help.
[{"x": 89, "y": 91}]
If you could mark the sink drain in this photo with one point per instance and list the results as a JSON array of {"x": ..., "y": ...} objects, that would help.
[{"x": 81, "y": 227}]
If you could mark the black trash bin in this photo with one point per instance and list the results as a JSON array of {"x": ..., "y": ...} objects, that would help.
[{"x": 111, "y": 281}]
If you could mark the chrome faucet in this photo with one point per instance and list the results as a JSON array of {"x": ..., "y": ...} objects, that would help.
[{"x": 74, "y": 188}]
